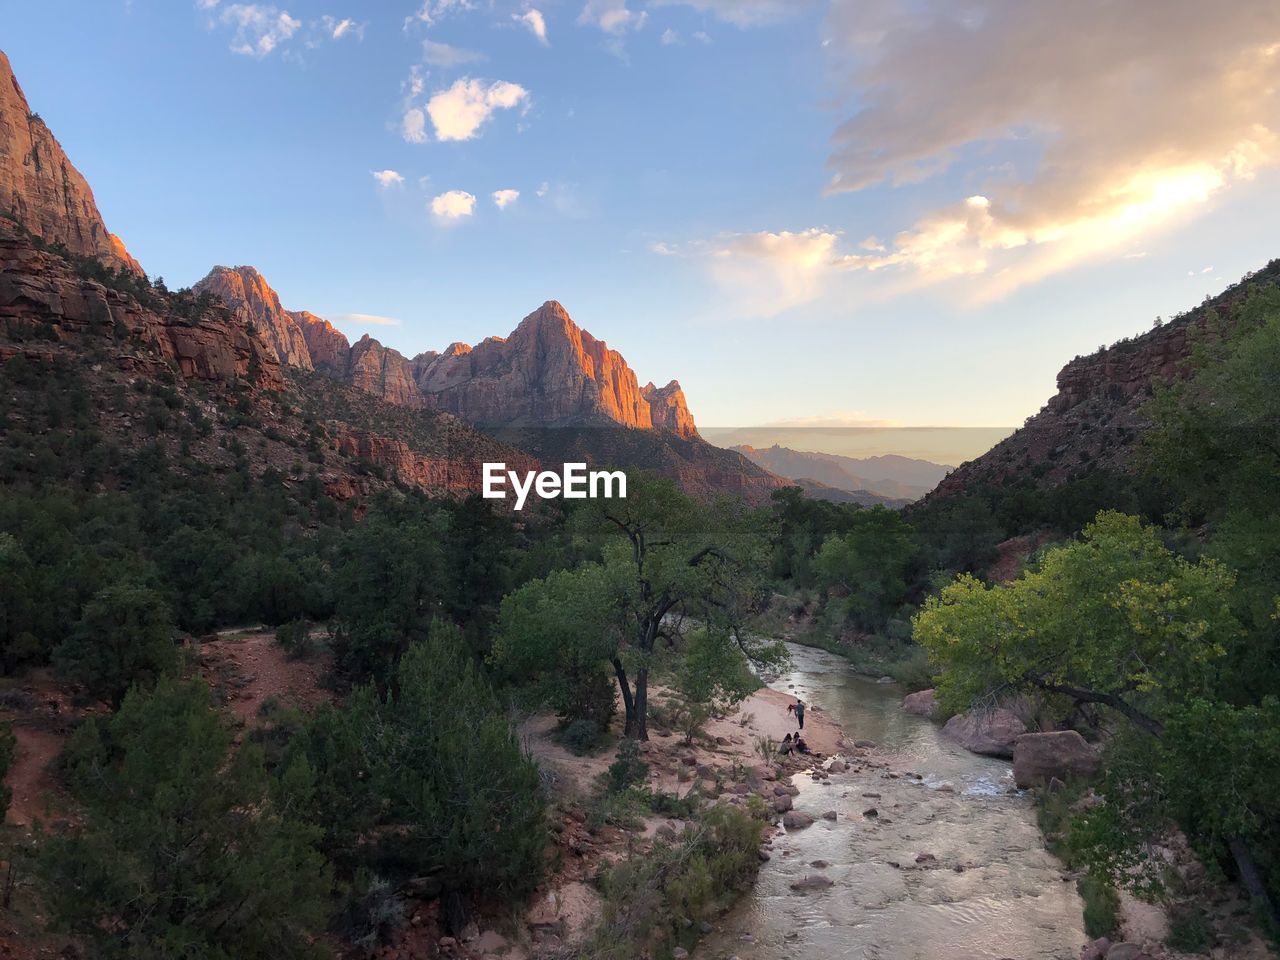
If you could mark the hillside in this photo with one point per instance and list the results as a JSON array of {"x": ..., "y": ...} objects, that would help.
[{"x": 1095, "y": 419}]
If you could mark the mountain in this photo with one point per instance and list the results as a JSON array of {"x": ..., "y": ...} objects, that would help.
[
  {"x": 548, "y": 372},
  {"x": 1095, "y": 418},
  {"x": 42, "y": 190},
  {"x": 245, "y": 291},
  {"x": 888, "y": 476}
]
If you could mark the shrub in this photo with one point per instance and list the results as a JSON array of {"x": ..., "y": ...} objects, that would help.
[
  {"x": 628, "y": 769},
  {"x": 295, "y": 639},
  {"x": 1101, "y": 906},
  {"x": 582, "y": 737}
]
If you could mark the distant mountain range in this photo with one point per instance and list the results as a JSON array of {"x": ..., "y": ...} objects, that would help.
[{"x": 889, "y": 476}]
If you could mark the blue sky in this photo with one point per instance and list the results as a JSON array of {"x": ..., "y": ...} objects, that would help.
[{"x": 805, "y": 210}]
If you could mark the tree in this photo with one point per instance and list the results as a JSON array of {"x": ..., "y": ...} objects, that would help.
[
  {"x": 1115, "y": 619},
  {"x": 184, "y": 852},
  {"x": 124, "y": 636},
  {"x": 869, "y": 564},
  {"x": 664, "y": 558},
  {"x": 428, "y": 781}
]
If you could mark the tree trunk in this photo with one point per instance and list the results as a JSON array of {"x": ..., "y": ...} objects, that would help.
[
  {"x": 641, "y": 729},
  {"x": 628, "y": 702},
  {"x": 1251, "y": 878}
]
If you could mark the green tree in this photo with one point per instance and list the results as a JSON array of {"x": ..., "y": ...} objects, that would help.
[
  {"x": 664, "y": 558},
  {"x": 869, "y": 564},
  {"x": 429, "y": 780},
  {"x": 124, "y": 636},
  {"x": 183, "y": 852}
]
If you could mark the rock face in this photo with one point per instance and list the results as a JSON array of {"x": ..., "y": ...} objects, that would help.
[
  {"x": 548, "y": 373},
  {"x": 41, "y": 297},
  {"x": 329, "y": 348},
  {"x": 990, "y": 732},
  {"x": 923, "y": 703},
  {"x": 384, "y": 372},
  {"x": 243, "y": 289},
  {"x": 668, "y": 409},
  {"x": 460, "y": 473},
  {"x": 1095, "y": 418},
  {"x": 1040, "y": 757},
  {"x": 41, "y": 189}
]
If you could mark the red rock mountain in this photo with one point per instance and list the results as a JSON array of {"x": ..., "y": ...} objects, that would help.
[
  {"x": 39, "y": 187},
  {"x": 244, "y": 290},
  {"x": 329, "y": 348},
  {"x": 1095, "y": 419},
  {"x": 548, "y": 373},
  {"x": 383, "y": 372}
]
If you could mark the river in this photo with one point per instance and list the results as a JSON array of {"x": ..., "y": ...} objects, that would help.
[{"x": 991, "y": 890}]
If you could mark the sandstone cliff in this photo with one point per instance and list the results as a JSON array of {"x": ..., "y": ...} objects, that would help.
[
  {"x": 383, "y": 372},
  {"x": 329, "y": 348},
  {"x": 43, "y": 299},
  {"x": 1095, "y": 419},
  {"x": 668, "y": 409},
  {"x": 243, "y": 289},
  {"x": 41, "y": 189}
]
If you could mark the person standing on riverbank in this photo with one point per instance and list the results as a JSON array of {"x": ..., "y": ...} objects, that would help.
[{"x": 800, "y": 712}]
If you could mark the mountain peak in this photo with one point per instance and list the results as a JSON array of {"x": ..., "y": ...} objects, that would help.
[{"x": 42, "y": 189}]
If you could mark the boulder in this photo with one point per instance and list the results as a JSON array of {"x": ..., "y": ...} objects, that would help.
[
  {"x": 1041, "y": 758},
  {"x": 1127, "y": 951},
  {"x": 811, "y": 882},
  {"x": 781, "y": 804},
  {"x": 923, "y": 703},
  {"x": 795, "y": 820},
  {"x": 988, "y": 732}
]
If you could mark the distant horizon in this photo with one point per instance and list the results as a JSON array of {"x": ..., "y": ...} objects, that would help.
[{"x": 939, "y": 445}]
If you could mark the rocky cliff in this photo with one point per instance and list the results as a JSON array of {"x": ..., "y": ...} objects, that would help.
[
  {"x": 668, "y": 409},
  {"x": 384, "y": 372},
  {"x": 243, "y": 289},
  {"x": 39, "y": 187},
  {"x": 549, "y": 372},
  {"x": 329, "y": 348},
  {"x": 44, "y": 301},
  {"x": 1095, "y": 419}
]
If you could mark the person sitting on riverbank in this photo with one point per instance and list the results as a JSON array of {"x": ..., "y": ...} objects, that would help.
[
  {"x": 786, "y": 746},
  {"x": 799, "y": 745}
]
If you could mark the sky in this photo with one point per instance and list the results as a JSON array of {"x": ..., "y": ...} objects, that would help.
[{"x": 810, "y": 212}]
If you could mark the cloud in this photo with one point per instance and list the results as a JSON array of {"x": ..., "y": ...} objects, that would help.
[
  {"x": 543, "y": 189},
  {"x": 504, "y": 198},
  {"x": 363, "y": 320},
  {"x": 432, "y": 11},
  {"x": 1128, "y": 117},
  {"x": 535, "y": 22},
  {"x": 453, "y": 205},
  {"x": 763, "y": 273},
  {"x": 612, "y": 16},
  {"x": 443, "y": 55},
  {"x": 413, "y": 125},
  {"x": 459, "y": 112},
  {"x": 670, "y": 37},
  {"x": 387, "y": 178},
  {"x": 337, "y": 29},
  {"x": 743, "y": 13},
  {"x": 258, "y": 29}
]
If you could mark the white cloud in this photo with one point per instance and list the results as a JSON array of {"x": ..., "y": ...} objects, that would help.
[
  {"x": 763, "y": 274},
  {"x": 504, "y": 198},
  {"x": 337, "y": 29},
  {"x": 543, "y": 189},
  {"x": 453, "y": 205},
  {"x": 363, "y": 320},
  {"x": 670, "y": 37},
  {"x": 387, "y": 178},
  {"x": 413, "y": 126},
  {"x": 446, "y": 56},
  {"x": 743, "y": 13},
  {"x": 612, "y": 16},
  {"x": 459, "y": 112},
  {"x": 535, "y": 22},
  {"x": 432, "y": 11},
  {"x": 259, "y": 29},
  {"x": 206, "y": 4},
  {"x": 1138, "y": 115}
]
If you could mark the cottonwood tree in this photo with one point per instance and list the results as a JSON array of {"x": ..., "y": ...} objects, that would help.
[{"x": 664, "y": 558}]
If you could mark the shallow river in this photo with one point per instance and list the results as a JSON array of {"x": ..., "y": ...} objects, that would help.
[{"x": 991, "y": 891}]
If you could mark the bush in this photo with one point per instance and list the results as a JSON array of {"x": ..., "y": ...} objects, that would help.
[
  {"x": 8, "y": 748},
  {"x": 1101, "y": 906},
  {"x": 663, "y": 894},
  {"x": 295, "y": 639},
  {"x": 628, "y": 769},
  {"x": 373, "y": 914},
  {"x": 582, "y": 737}
]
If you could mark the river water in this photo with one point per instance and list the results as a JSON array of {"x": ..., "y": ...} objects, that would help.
[{"x": 991, "y": 890}]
